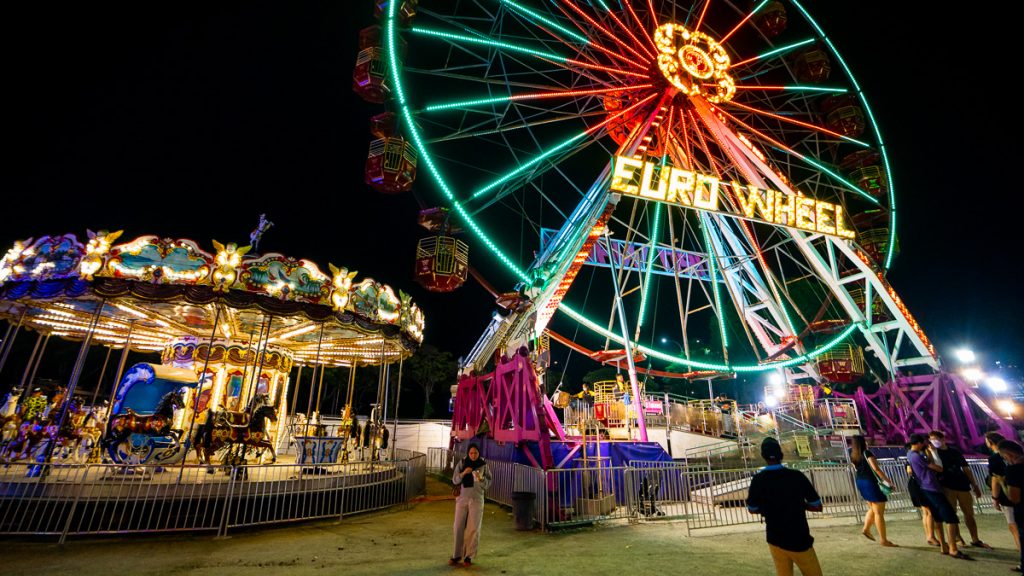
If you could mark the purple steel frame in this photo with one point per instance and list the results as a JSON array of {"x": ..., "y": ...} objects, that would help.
[
  {"x": 512, "y": 405},
  {"x": 920, "y": 404}
]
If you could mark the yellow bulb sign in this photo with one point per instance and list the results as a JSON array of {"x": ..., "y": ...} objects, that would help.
[{"x": 695, "y": 190}]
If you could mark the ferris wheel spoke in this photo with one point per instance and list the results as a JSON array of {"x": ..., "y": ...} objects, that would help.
[
  {"x": 794, "y": 121},
  {"x": 746, "y": 18},
  {"x": 513, "y": 48},
  {"x": 652, "y": 52},
  {"x": 608, "y": 33},
  {"x": 472, "y": 103},
  {"x": 537, "y": 17},
  {"x": 703, "y": 12},
  {"x": 784, "y": 148},
  {"x": 523, "y": 167},
  {"x": 640, "y": 25},
  {"x": 775, "y": 52}
]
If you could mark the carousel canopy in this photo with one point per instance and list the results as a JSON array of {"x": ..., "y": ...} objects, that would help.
[{"x": 156, "y": 291}]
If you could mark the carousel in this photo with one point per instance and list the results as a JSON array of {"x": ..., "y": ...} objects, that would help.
[{"x": 225, "y": 327}]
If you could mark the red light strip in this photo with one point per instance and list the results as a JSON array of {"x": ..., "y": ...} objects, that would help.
[
  {"x": 571, "y": 93},
  {"x": 607, "y": 32},
  {"x": 777, "y": 117},
  {"x": 733, "y": 31},
  {"x": 626, "y": 29},
  {"x": 702, "y": 13}
]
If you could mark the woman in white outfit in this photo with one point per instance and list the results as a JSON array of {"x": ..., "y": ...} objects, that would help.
[{"x": 472, "y": 476}]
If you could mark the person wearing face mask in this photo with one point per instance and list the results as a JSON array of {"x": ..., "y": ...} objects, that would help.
[
  {"x": 927, "y": 473},
  {"x": 957, "y": 483}
]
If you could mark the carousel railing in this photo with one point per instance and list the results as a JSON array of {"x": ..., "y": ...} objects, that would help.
[{"x": 94, "y": 499}]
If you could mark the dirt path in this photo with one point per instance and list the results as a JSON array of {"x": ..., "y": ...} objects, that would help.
[{"x": 418, "y": 540}]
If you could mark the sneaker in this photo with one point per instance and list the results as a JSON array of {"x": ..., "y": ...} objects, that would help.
[{"x": 467, "y": 561}]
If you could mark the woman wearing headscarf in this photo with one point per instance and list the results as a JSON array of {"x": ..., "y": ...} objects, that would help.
[{"x": 471, "y": 478}]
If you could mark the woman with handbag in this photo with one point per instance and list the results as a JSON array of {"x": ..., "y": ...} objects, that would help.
[
  {"x": 471, "y": 479},
  {"x": 873, "y": 486}
]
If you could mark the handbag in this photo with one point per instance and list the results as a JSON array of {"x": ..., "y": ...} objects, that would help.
[
  {"x": 456, "y": 490},
  {"x": 886, "y": 488}
]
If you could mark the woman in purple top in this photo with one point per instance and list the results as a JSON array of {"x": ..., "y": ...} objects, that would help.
[{"x": 926, "y": 472}]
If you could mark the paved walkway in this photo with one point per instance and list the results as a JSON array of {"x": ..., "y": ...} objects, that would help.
[{"x": 417, "y": 541}]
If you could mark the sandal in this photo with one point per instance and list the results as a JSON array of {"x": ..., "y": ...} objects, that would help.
[
  {"x": 889, "y": 544},
  {"x": 932, "y": 542},
  {"x": 868, "y": 536},
  {"x": 960, "y": 556},
  {"x": 980, "y": 544}
]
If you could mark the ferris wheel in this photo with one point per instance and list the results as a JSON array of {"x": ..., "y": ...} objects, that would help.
[{"x": 698, "y": 183}]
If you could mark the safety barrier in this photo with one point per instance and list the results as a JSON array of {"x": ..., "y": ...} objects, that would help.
[
  {"x": 702, "y": 497},
  {"x": 95, "y": 499}
]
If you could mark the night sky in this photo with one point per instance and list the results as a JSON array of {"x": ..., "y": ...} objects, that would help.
[{"x": 189, "y": 121}]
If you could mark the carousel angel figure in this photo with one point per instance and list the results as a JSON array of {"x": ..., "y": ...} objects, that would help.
[{"x": 261, "y": 229}]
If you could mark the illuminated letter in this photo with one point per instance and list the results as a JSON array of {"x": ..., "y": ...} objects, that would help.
[
  {"x": 645, "y": 182},
  {"x": 754, "y": 202},
  {"x": 841, "y": 228},
  {"x": 821, "y": 220},
  {"x": 805, "y": 213},
  {"x": 680, "y": 187},
  {"x": 625, "y": 172},
  {"x": 785, "y": 204},
  {"x": 706, "y": 198}
]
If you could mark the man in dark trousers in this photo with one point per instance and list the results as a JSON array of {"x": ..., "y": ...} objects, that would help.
[
  {"x": 1013, "y": 454},
  {"x": 782, "y": 496}
]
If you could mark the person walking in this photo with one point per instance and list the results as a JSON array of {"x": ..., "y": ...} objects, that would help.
[
  {"x": 782, "y": 495},
  {"x": 1013, "y": 454},
  {"x": 997, "y": 483},
  {"x": 471, "y": 478},
  {"x": 957, "y": 483},
  {"x": 920, "y": 501},
  {"x": 868, "y": 475},
  {"x": 926, "y": 471}
]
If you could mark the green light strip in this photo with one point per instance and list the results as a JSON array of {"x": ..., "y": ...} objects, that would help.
[
  {"x": 601, "y": 331},
  {"x": 547, "y": 21},
  {"x": 874, "y": 126},
  {"x": 816, "y": 89},
  {"x": 524, "y": 167},
  {"x": 714, "y": 281},
  {"x": 407, "y": 115},
  {"x": 485, "y": 42},
  {"x": 850, "y": 185},
  {"x": 784, "y": 49},
  {"x": 467, "y": 103},
  {"x": 650, "y": 257}
]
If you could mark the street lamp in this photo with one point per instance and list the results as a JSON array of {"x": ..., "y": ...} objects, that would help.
[
  {"x": 965, "y": 355},
  {"x": 973, "y": 374},
  {"x": 996, "y": 384}
]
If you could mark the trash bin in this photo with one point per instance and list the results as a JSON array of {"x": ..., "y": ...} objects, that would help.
[{"x": 522, "y": 509}]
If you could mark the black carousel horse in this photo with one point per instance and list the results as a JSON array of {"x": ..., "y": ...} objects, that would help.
[{"x": 238, "y": 431}]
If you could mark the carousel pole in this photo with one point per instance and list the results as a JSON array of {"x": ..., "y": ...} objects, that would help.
[
  {"x": 245, "y": 371},
  {"x": 31, "y": 362},
  {"x": 120, "y": 364},
  {"x": 398, "y": 395},
  {"x": 9, "y": 338},
  {"x": 99, "y": 381},
  {"x": 76, "y": 371},
  {"x": 199, "y": 389},
  {"x": 39, "y": 360},
  {"x": 261, "y": 355},
  {"x": 295, "y": 397},
  {"x": 312, "y": 381},
  {"x": 320, "y": 390}
]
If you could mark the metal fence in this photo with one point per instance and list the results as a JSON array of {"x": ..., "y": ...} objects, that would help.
[
  {"x": 702, "y": 497},
  {"x": 97, "y": 499}
]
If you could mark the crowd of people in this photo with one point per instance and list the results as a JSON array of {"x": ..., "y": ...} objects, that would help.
[{"x": 940, "y": 482}]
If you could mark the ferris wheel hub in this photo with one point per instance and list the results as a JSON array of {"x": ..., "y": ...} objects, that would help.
[{"x": 694, "y": 62}]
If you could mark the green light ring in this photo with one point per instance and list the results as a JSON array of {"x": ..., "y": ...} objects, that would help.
[
  {"x": 874, "y": 127},
  {"x": 479, "y": 232}
]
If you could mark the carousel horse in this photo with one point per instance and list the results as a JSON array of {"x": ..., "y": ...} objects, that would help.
[
  {"x": 157, "y": 424},
  {"x": 236, "y": 429},
  {"x": 9, "y": 419}
]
